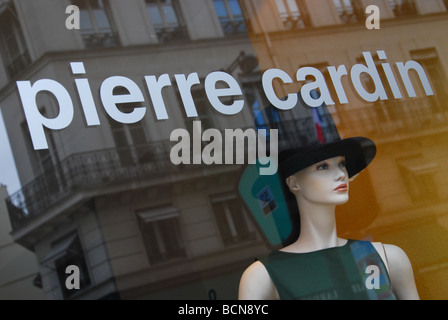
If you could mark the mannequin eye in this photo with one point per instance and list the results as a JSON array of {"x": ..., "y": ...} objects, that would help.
[
  {"x": 322, "y": 166},
  {"x": 343, "y": 164}
]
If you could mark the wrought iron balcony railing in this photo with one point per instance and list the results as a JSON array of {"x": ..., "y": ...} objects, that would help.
[
  {"x": 83, "y": 171},
  {"x": 167, "y": 34},
  {"x": 100, "y": 39},
  {"x": 97, "y": 169}
]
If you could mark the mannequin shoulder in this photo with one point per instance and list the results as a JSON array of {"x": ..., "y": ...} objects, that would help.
[
  {"x": 256, "y": 284},
  {"x": 400, "y": 272},
  {"x": 397, "y": 258}
]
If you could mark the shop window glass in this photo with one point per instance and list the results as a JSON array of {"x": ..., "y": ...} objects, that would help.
[
  {"x": 230, "y": 16},
  {"x": 166, "y": 18},
  {"x": 12, "y": 43},
  {"x": 403, "y": 7},
  {"x": 350, "y": 11},
  {"x": 293, "y": 14},
  {"x": 96, "y": 24},
  {"x": 161, "y": 232},
  {"x": 232, "y": 220}
]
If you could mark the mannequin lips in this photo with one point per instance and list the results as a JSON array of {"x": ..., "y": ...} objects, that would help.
[{"x": 341, "y": 188}]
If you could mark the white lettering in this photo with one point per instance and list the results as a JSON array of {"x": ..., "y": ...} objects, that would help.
[
  {"x": 308, "y": 88},
  {"x": 214, "y": 93},
  {"x": 185, "y": 85},
  {"x": 267, "y": 83},
  {"x": 110, "y": 100},
  {"x": 36, "y": 121},
  {"x": 222, "y": 91},
  {"x": 155, "y": 87},
  {"x": 85, "y": 95},
  {"x": 404, "y": 73},
  {"x": 336, "y": 75},
  {"x": 370, "y": 70}
]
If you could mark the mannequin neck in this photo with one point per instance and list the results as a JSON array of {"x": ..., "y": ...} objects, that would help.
[{"x": 317, "y": 227}]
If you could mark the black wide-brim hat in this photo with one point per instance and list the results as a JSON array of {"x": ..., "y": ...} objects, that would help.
[
  {"x": 306, "y": 135},
  {"x": 358, "y": 153},
  {"x": 316, "y": 138}
]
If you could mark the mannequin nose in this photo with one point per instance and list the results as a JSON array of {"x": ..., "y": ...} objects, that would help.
[{"x": 340, "y": 173}]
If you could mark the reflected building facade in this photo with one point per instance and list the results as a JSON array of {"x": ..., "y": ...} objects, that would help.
[{"x": 107, "y": 198}]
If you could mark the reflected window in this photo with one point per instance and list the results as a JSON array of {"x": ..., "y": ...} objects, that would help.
[
  {"x": 41, "y": 160},
  {"x": 385, "y": 110},
  {"x": 232, "y": 219},
  {"x": 230, "y": 16},
  {"x": 265, "y": 115},
  {"x": 130, "y": 139},
  {"x": 429, "y": 60},
  {"x": 65, "y": 252},
  {"x": 418, "y": 175},
  {"x": 161, "y": 233},
  {"x": 96, "y": 23},
  {"x": 166, "y": 18},
  {"x": 350, "y": 11},
  {"x": 293, "y": 13},
  {"x": 403, "y": 7},
  {"x": 12, "y": 43},
  {"x": 46, "y": 167},
  {"x": 203, "y": 108}
]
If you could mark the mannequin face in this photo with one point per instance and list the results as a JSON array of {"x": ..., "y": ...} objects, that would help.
[{"x": 325, "y": 182}]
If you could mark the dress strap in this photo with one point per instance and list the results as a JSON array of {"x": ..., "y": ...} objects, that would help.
[{"x": 379, "y": 247}]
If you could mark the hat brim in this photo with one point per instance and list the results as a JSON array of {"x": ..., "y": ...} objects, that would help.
[{"x": 358, "y": 153}]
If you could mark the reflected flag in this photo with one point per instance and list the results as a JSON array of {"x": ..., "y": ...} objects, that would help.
[{"x": 318, "y": 125}]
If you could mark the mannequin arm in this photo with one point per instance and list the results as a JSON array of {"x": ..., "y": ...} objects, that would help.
[
  {"x": 256, "y": 284},
  {"x": 401, "y": 274}
]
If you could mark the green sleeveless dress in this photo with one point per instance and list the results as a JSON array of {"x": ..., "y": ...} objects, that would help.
[{"x": 339, "y": 273}]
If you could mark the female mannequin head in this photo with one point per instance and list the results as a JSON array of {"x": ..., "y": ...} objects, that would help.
[
  {"x": 316, "y": 180},
  {"x": 325, "y": 182}
]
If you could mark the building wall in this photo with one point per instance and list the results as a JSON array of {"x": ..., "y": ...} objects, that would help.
[
  {"x": 18, "y": 266},
  {"x": 83, "y": 222}
]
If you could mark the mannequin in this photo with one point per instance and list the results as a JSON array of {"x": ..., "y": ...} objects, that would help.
[
  {"x": 318, "y": 189},
  {"x": 314, "y": 173}
]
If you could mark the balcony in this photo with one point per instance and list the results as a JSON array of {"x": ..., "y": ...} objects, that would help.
[
  {"x": 168, "y": 34},
  {"x": 391, "y": 119},
  {"x": 83, "y": 171},
  {"x": 100, "y": 39},
  {"x": 97, "y": 169}
]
